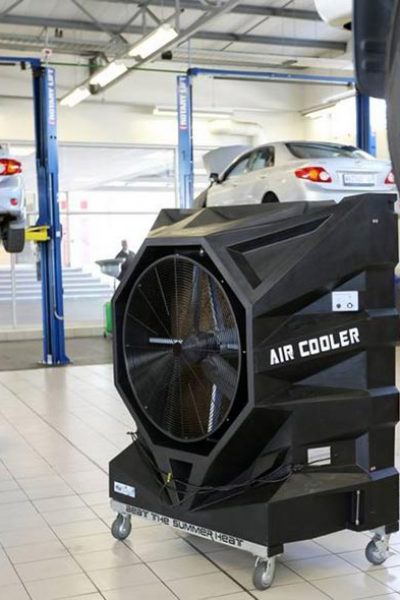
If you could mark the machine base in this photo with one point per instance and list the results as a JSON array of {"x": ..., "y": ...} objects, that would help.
[
  {"x": 261, "y": 520},
  {"x": 376, "y": 551}
]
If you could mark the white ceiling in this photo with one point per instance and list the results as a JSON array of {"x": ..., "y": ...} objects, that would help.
[
  {"x": 155, "y": 83},
  {"x": 118, "y": 13}
]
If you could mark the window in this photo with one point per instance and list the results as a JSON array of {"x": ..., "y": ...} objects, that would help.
[
  {"x": 240, "y": 168},
  {"x": 262, "y": 158},
  {"x": 305, "y": 150}
]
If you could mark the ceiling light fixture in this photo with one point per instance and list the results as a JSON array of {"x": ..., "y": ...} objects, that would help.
[
  {"x": 158, "y": 38},
  {"x": 74, "y": 97},
  {"x": 350, "y": 93},
  {"x": 109, "y": 73},
  {"x": 165, "y": 111}
]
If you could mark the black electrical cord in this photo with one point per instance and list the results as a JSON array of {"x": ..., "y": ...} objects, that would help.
[{"x": 271, "y": 478}]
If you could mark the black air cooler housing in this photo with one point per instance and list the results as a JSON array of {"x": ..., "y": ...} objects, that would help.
[{"x": 255, "y": 349}]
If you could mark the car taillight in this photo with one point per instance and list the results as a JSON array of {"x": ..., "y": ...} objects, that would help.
[
  {"x": 390, "y": 178},
  {"x": 13, "y": 201},
  {"x": 10, "y": 166},
  {"x": 317, "y": 174}
]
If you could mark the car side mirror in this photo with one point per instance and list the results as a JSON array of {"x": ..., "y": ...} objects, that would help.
[{"x": 214, "y": 177}]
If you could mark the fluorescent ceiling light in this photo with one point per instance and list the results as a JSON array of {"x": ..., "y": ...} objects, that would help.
[
  {"x": 165, "y": 111},
  {"x": 21, "y": 150},
  {"x": 158, "y": 38},
  {"x": 340, "y": 96},
  {"x": 251, "y": 59},
  {"x": 76, "y": 96},
  {"x": 108, "y": 74}
]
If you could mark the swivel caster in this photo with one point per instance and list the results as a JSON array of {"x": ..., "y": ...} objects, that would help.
[
  {"x": 121, "y": 527},
  {"x": 264, "y": 573},
  {"x": 377, "y": 550}
]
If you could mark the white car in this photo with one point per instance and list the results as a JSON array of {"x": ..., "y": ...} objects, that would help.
[
  {"x": 298, "y": 171},
  {"x": 12, "y": 203}
]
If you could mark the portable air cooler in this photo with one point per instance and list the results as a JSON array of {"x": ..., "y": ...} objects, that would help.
[{"x": 255, "y": 349}]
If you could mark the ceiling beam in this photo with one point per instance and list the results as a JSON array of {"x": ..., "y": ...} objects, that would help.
[
  {"x": 183, "y": 36},
  {"x": 11, "y": 7},
  {"x": 271, "y": 40},
  {"x": 243, "y": 9},
  {"x": 26, "y": 21},
  {"x": 11, "y": 41},
  {"x": 32, "y": 21}
]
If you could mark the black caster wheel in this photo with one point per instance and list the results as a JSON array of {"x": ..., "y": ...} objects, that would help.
[
  {"x": 121, "y": 527},
  {"x": 376, "y": 551},
  {"x": 264, "y": 573}
]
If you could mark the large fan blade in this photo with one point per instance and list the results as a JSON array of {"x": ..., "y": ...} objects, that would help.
[
  {"x": 172, "y": 407},
  {"x": 196, "y": 297},
  {"x": 215, "y": 408},
  {"x": 162, "y": 292},
  {"x": 219, "y": 372},
  {"x": 145, "y": 359},
  {"x": 182, "y": 347},
  {"x": 150, "y": 366},
  {"x": 227, "y": 340},
  {"x": 184, "y": 301},
  {"x": 215, "y": 304},
  {"x": 194, "y": 408},
  {"x": 154, "y": 312}
]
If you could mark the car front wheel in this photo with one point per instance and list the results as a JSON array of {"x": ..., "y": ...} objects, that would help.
[{"x": 13, "y": 238}]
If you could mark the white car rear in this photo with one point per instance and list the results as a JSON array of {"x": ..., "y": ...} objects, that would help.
[
  {"x": 12, "y": 203},
  {"x": 298, "y": 171}
]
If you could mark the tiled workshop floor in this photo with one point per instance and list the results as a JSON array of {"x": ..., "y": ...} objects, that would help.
[{"x": 58, "y": 430}]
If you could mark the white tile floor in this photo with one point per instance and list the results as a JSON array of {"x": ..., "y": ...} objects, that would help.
[{"x": 58, "y": 430}]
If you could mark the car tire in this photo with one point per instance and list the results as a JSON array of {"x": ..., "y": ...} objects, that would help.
[
  {"x": 13, "y": 238},
  {"x": 269, "y": 197}
]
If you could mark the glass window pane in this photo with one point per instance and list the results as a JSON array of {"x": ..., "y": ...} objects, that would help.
[
  {"x": 107, "y": 194},
  {"x": 262, "y": 158},
  {"x": 239, "y": 169},
  {"x": 306, "y": 150}
]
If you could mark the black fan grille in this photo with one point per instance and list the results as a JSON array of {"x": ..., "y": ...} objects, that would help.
[{"x": 182, "y": 348}]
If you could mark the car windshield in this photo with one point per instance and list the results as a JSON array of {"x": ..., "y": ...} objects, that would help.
[{"x": 314, "y": 150}]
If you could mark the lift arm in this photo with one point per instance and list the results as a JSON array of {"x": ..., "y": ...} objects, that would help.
[{"x": 37, "y": 234}]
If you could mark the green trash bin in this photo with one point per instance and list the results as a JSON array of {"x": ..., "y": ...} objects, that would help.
[
  {"x": 108, "y": 326},
  {"x": 110, "y": 267}
]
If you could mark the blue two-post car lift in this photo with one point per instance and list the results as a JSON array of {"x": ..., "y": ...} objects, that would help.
[
  {"x": 45, "y": 115},
  {"x": 185, "y": 115},
  {"x": 45, "y": 120}
]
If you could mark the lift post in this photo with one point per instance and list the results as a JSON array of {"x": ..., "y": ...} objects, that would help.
[
  {"x": 364, "y": 136},
  {"x": 48, "y": 231},
  {"x": 185, "y": 140},
  {"x": 45, "y": 112},
  {"x": 185, "y": 112}
]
